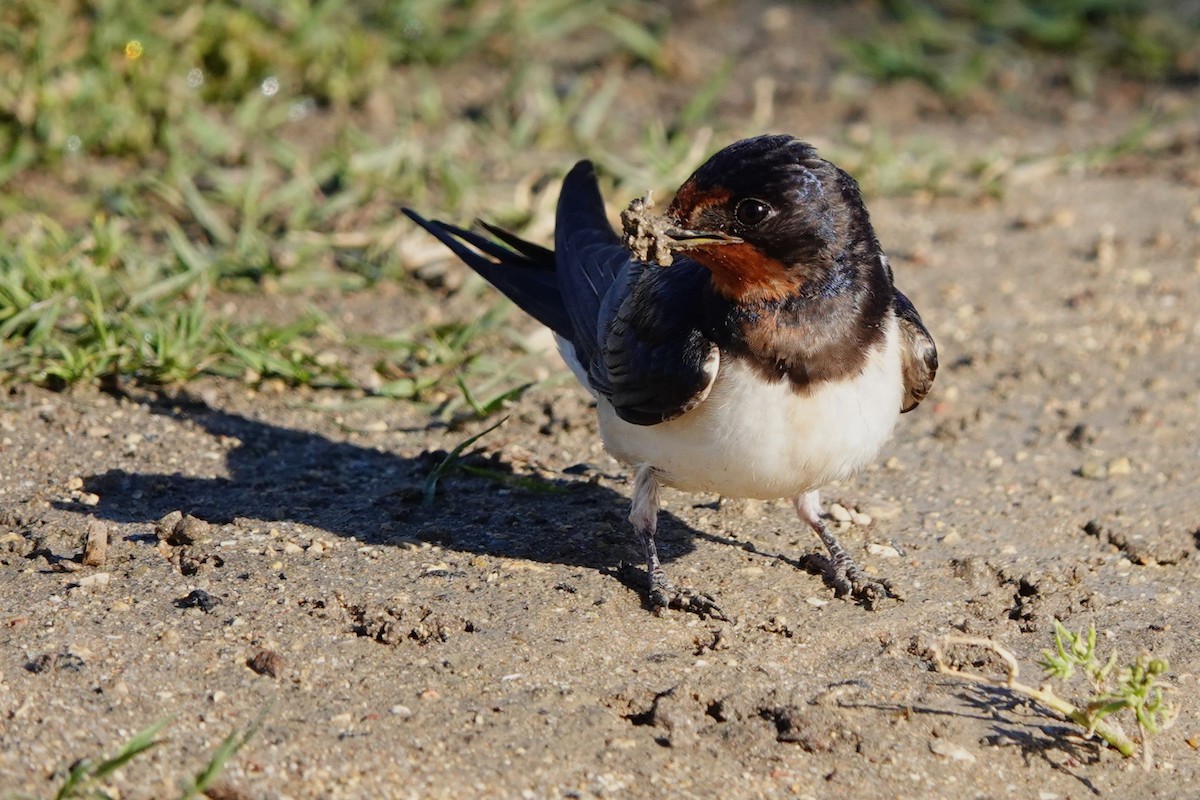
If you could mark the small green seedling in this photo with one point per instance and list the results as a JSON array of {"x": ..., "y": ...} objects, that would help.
[{"x": 1134, "y": 688}]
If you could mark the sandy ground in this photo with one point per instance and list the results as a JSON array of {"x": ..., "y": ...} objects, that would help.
[{"x": 491, "y": 645}]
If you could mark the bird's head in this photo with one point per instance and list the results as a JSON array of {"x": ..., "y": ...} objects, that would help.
[{"x": 766, "y": 216}]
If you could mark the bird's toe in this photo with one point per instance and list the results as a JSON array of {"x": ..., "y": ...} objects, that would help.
[
  {"x": 868, "y": 590},
  {"x": 664, "y": 596}
]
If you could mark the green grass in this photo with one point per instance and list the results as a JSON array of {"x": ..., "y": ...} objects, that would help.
[
  {"x": 86, "y": 305},
  {"x": 959, "y": 46},
  {"x": 89, "y": 779},
  {"x": 167, "y": 155}
]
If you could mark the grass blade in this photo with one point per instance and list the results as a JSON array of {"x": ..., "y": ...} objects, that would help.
[
  {"x": 86, "y": 772},
  {"x": 451, "y": 459}
]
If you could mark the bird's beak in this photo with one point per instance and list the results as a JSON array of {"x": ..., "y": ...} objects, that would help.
[{"x": 684, "y": 239}]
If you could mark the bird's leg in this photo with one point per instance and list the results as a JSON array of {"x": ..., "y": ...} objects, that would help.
[
  {"x": 643, "y": 514},
  {"x": 845, "y": 575}
]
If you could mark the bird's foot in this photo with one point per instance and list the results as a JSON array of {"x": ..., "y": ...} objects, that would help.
[
  {"x": 663, "y": 595},
  {"x": 848, "y": 578},
  {"x": 863, "y": 588}
]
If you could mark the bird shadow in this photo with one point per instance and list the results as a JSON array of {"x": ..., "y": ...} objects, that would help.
[{"x": 278, "y": 475}]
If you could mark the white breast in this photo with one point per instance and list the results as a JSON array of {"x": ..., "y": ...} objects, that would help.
[{"x": 763, "y": 440}]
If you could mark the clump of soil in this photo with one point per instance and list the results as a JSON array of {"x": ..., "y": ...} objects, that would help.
[{"x": 645, "y": 232}]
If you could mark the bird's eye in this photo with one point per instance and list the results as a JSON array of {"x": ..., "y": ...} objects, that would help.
[{"x": 751, "y": 211}]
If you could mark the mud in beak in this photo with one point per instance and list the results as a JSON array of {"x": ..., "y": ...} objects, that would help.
[
  {"x": 654, "y": 238},
  {"x": 684, "y": 239}
]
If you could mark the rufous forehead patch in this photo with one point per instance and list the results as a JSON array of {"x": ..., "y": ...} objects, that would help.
[{"x": 690, "y": 200}]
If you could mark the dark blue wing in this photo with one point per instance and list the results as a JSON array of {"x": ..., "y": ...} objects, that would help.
[
  {"x": 637, "y": 325},
  {"x": 594, "y": 268},
  {"x": 657, "y": 361},
  {"x": 635, "y": 328}
]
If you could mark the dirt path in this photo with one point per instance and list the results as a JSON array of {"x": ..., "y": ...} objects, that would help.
[{"x": 489, "y": 646}]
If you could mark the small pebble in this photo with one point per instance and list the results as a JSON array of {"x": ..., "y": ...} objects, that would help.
[
  {"x": 266, "y": 662},
  {"x": 1119, "y": 466},
  {"x": 96, "y": 548},
  {"x": 198, "y": 598},
  {"x": 952, "y": 751},
  {"x": 1141, "y": 277},
  {"x": 163, "y": 528},
  {"x": 839, "y": 512},
  {"x": 1063, "y": 217},
  {"x": 97, "y": 581},
  {"x": 178, "y": 529},
  {"x": 291, "y": 549},
  {"x": 883, "y": 550},
  {"x": 883, "y": 510},
  {"x": 1093, "y": 471},
  {"x": 189, "y": 530}
]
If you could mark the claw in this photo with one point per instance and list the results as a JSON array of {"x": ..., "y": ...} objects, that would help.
[
  {"x": 663, "y": 596},
  {"x": 847, "y": 577},
  {"x": 867, "y": 590}
]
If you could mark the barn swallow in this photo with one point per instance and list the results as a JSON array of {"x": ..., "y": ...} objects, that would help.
[{"x": 773, "y": 355}]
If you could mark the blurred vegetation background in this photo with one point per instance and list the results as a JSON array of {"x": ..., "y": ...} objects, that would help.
[{"x": 167, "y": 167}]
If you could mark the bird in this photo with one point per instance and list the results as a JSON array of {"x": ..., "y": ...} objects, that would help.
[{"x": 772, "y": 354}]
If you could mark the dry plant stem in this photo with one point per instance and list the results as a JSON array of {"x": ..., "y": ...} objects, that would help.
[
  {"x": 1147, "y": 755},
  {"x": 1045, "y": 695}
]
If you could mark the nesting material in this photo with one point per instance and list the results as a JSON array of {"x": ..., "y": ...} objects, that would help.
[{"x": 646, "y": 233}]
